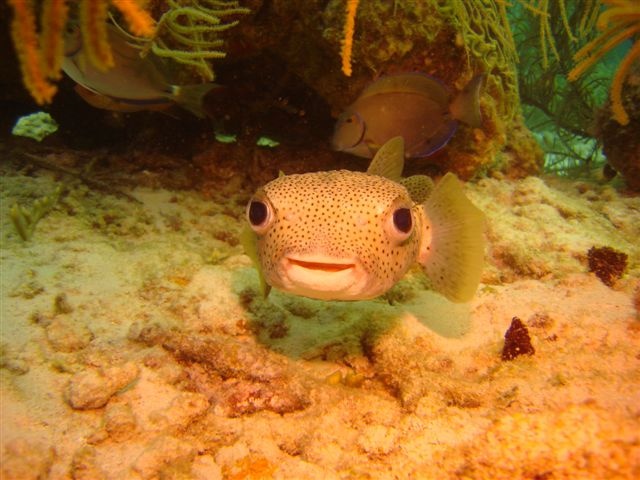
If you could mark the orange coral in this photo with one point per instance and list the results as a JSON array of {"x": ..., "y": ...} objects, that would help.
[
  {"x": 52, "y": 43},
  {"x": 139, "y": 21},
  {"x": 347, "y": 42},
  {"x": 25, "y": 38},
  {"x": 619, "y": 22},
  {"x": 93, "y": 15},
  {"x": 40, "y": 55}
]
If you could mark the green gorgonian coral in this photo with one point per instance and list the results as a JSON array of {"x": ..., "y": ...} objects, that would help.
[
  {"x": 561, "y": 112},
  {"x": 189, "y": 32}
]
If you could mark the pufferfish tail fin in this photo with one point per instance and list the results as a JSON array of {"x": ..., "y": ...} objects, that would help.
[{"x": 454, "y": 256}]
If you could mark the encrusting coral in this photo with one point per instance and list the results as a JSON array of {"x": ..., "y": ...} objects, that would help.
[
  {"x": 483, "y": 29},
  {"x": 451, "y": 41}
]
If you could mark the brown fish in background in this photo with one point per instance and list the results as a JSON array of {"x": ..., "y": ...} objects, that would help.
[
  {"x": 414, "y": 106},
  {"x": 133, "y": 84}
]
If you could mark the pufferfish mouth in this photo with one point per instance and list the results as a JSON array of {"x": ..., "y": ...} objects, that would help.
[
  {"x": 322, "y": 266},
  {"x": 323, "y": 277}
]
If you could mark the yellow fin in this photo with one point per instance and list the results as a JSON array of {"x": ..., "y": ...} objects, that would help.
[
  {"x": 249, "y": 242},
  {"x": 455, "y": 259},
  {"x": 389, "y": 160},
  {"x": 418, "y": 186}
]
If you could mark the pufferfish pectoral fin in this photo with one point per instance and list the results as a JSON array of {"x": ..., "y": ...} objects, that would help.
[
  {"x": 249, "y": 242},
  {"x": 388, "y": 162},
  {"x": 455, "y": 257}
]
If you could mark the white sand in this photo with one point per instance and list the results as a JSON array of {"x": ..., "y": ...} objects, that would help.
[{"x": 161, "y": 362}]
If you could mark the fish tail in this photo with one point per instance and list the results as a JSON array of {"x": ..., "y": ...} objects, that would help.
[
  {"x": 454, "y": 256},
  {"x": 190, "y": 97},
  {"x": 466, "y": 106}
]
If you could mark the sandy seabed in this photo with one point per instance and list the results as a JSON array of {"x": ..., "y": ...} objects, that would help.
[{"x": 135, "y": 345}]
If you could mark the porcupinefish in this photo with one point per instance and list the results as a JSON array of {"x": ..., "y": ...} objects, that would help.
[
  {"x": 412, "y": 105},
  {"x": 133, "y": 83},
  {"x": 345, "y": 235}
]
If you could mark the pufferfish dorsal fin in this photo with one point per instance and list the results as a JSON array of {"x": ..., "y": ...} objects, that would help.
[
  {"x": 249, "y": 241},
  {"x": 389, "y": 160},
  {"x": 418, "y": 186}
]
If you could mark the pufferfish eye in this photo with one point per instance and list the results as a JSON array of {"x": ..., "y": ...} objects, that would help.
[
  {"x": 400, "y": 224},
  {"x": 402, "y": 220},
  {"x": 259, "y": 214}
]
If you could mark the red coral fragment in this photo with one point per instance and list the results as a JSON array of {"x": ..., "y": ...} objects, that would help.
[
  {"x": 608, "y": 264},
  {"x": 516, "y": 341}
]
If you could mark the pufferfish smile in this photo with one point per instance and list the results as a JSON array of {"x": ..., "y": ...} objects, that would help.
[
  {"x": 321, "y": 266},
  {"x": 325, "y": 277}
]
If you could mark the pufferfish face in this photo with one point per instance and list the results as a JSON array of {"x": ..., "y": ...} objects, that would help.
[{"x": 335, "y": 235}]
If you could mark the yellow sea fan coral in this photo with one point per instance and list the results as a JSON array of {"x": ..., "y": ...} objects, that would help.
[
  {"x": 51, "y": 41},
  {"x": 139, "y": 21},
  {"x": 347, "y": 42},
  {"x": 93, "y": 15},
  {"x": 619, "y": 22},
  {"x": 27, "y": 44}
]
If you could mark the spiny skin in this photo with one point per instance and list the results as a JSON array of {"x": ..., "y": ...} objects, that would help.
[{"x": 343, "y": 216}]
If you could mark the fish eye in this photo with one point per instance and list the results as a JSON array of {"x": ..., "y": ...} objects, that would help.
[
  {"x": 350, "y": 131},
  {"x": 399, "y": 224},
  {"x": 259, "y": 214},
  {"x": 402, "y": 220}
]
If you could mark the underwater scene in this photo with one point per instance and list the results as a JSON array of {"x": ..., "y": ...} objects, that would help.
[{"x": 319, "y": 239}]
